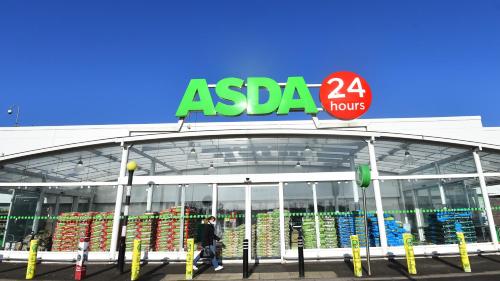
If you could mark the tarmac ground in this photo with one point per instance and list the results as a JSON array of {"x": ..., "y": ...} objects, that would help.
[{"x": 484, "y": 267}]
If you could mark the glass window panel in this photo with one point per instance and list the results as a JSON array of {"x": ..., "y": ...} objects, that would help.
[
  {"x": 59, "y": 216},
  {"x": 88, "y": 164},
  {"x": 265, "y": 222},
  {"x": 340, "y": 214},
  {"x": 231, "y": 220},
  {"x": 490, "y": 161},
  {"x": 433, "y": 210},
  {"x": 249, "y": 155},
  {"x": 299, "y": 212},
  {"x": 398, "y": 157}
]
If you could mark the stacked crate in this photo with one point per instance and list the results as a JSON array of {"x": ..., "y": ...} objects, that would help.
[
  {"x": 345, "y": 226},
  {"x": 100, "y": 234},
  {"x": 169, "y": 228},
  {"x": 268, "y": 234},
  {"x": 443, "y": 227},
  {"x": 328, "y": 232},
  {"x": 373, "y": 230},
  {"x": 309, "y": 232},
  {"x": 394, "y": 231},
  {"x": 232, "y": 239},
  {"x": 70, "y": 227},
  {"x": 142, "y": 228},
  {"x": 359, "y": 229}
]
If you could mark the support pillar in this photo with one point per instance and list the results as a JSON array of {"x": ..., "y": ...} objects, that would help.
[
  {"x": 118, "y": 203},
  {"x": 378, "y": 196},
  {"x": 282, "y": 221},
  {"x": 486, "y": 198}
]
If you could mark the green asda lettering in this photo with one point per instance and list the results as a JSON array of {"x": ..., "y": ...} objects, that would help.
[{"x": 233, "y": 101}]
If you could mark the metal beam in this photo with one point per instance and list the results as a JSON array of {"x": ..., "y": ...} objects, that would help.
[
  {"x": 41, "y": 176},
  {"x": 439, "y": 162},
  {"x": 145, "y": 155}
]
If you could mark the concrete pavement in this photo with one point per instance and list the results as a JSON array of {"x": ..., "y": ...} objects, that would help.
[{"x": 486, "y": 267}]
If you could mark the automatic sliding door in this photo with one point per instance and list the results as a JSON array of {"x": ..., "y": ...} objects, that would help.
[
  {"x": 265, "y": 222},
  {"x": 231, "y": 220}
]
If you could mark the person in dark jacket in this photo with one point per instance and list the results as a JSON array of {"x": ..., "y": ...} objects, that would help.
[{"x": 208, "y": 242}]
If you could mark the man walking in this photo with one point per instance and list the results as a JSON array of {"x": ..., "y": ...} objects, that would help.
[{"x": 208, "y": 242}]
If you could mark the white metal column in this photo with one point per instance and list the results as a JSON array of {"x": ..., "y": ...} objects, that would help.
[
  {"x": 418, "y": 216},
  {"x": 214, "y": 200},
  {"x": 118, "y": 204},
  {"x": 316, "y": 215},
  {"x": 282, "y": 221},
  {"x": 355, "y": 192},
  {"x": 38, "y": 211},
  {"x": 183, "y": 213},
  {"x": 378, "y": 196},
  {"x": 486, "y": 198},
  {"x": 403, "y": 199},
  {"x": 440, "y": 186}
]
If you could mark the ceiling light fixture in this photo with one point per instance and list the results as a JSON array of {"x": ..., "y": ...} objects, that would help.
[
  {"x": 408, "y": 159},
  {"x": 308, "y": 151},
  {"x": 211, "y": 168},
  {"x": 79, "y": 166}
]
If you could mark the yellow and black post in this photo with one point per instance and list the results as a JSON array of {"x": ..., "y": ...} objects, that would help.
[
  {"x": 356, "y": 256},
  {"x": 131, "y": 166},
  {"x": 464, "y": 256},
  {"x": 410, "y": 255},
  {"x": 31, "y": 269},
  {"x": 136, "y": 260}
]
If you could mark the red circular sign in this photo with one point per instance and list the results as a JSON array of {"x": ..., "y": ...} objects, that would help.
[{"x": 345, "y": 95}]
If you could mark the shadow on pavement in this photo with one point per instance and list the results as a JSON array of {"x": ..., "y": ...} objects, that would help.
[
  {"x": 55, "y": 270},
  {"x": 400, "y": 268},
  {"x": 252, "y": 269},
  {"x": 101, "y": 271},
  {"x": 150, "y": 274},
  {"x": 436, "y": 258},
  {"x": 489, "y": 258},
  {"x": 13, "y": 268}
]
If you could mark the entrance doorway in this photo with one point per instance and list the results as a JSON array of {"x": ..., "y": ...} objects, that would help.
[{"x": 253, "y": 212}]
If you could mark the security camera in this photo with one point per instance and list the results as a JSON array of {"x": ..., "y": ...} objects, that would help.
[{"x": 9, "y": 111}]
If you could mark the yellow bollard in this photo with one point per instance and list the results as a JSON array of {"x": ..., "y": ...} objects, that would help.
[
  {"x": 30, "y": 271},
  {"x": 136, "y": 260},
  {"x": 410, "y": 255},
  {"x": 189, "y": 259},
  {"x": 464, "y": 256},
  {"x": 356, "y": 256}
]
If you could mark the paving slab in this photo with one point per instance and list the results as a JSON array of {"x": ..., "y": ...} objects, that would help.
[{"x": 427, "y": 268}]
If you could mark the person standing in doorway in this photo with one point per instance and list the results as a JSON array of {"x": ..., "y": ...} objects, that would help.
[{"x": 209, "y": 242}]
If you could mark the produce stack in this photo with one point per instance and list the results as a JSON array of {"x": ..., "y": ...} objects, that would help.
[
  {"x": 394, "y": 231},
  {"x": 309, "y": 232},
  {"x": 373, "y": 230},
  {"x": 345, "y": 225},
  {"x": 232, "y": 238},
  {"x": 443, "y": 226},
  {"x": 143, "y": 228},
  {"x": 359, "y": 226},
  {"x": 268, "y": 234},
  {"x": 169, "y": 227},
  {"x": 100, "y": 234},
  {"x": 69, "y": 228},
  {"x": 328, "y": 232}
]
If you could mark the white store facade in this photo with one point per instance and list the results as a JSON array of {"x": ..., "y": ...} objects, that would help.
[{"x": 258, "y": 179}]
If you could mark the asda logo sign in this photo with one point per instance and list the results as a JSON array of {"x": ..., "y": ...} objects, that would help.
[{"x": 337, "y": 95}]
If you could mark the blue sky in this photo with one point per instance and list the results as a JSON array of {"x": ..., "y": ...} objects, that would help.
[{"x": 114, "y": 62}]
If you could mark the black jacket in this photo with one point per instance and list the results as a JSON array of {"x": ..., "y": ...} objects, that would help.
[{"x": 209, "y": 235}]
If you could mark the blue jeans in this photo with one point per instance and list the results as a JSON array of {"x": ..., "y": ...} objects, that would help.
[{"x": 215, "y": 262}]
